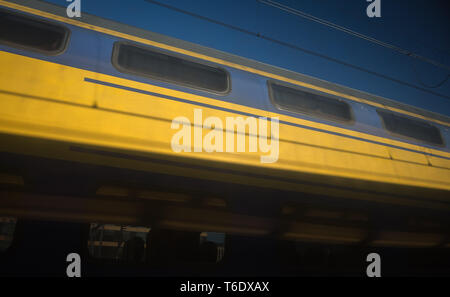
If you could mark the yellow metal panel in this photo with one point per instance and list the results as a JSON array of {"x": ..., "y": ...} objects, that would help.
[
  {"x": 408, "y": 156},
  {"x": 393, "y": 238},
  {"x": 32, "y": 77},
  {"x": 318, "y": 233},
  {"x": 304, "y": 154},
  {"x": 439, "y": 162},
  {"x": 72, "y": 88},
  {"x": 142, "y": 104},
  {"x": 330, "y": 141},
  {"x": 435, "y": 161},
  {"x": 100, "y": 128},
  {"x": 320, "y": 161}
]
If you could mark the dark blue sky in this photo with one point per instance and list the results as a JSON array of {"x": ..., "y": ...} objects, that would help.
[{"x": 308, "y": 47}]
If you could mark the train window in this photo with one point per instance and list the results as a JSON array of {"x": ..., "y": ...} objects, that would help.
[
  {"x": 133, "y": 244},
  {"x": 314, "y": 104},
  {"x": 217, "y": 240},
  {"x": 411, "y": 128},
  {"x": 144, "y": 61},
  {"x": 117, "y": 242},
  {"x": 7, "y": 226},
  {"x": 21, "y": 31}
]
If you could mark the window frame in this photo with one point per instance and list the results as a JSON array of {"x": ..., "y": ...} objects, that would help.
[
  {"x": 64, "y": 44},
  {"x": 326, "y": 117},
  {"x": 378, "y": 110},
  {"x": 115, "y": 57}
]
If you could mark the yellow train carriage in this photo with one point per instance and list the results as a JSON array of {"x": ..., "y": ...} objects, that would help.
[{"x": 83, "y": 94}]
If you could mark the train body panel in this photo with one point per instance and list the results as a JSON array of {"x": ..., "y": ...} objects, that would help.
[{"x": 103, "y": 116}]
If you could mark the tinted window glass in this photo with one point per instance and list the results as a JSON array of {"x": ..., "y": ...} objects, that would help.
[
  {"x": 125, "y": 243},
  {"x": 147, "y": 62},
  {"x": 300, "y": 101},
  {"x": 29, "y": 33},
  {"x": 138, "y": 244},
  {"x": 411, "y": 128},
  {"x": 7, "y": 227}
]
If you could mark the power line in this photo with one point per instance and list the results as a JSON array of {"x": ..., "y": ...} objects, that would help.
[
  {"x": 351, "y": 32},
  {"x": 286, "y": 44},
  {"x": 419, "y": 79},
  {"x": 365, "y": 37}
]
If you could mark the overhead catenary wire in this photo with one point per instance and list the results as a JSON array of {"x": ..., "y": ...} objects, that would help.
[
  {"x": 353, "y": 33},
  {"x": 367, "y": 38},
  {"x": 286, "y": 44}
]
